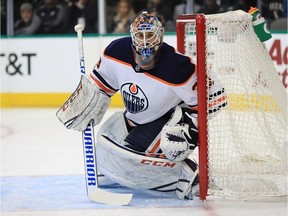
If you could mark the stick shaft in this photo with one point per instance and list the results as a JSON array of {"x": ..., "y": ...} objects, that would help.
[
  {"x": 89, "y": 151},
  {"x": 81, "y": 51},
  {"x": 90, "y": 161},
  {"x": 88, "y": 139}
]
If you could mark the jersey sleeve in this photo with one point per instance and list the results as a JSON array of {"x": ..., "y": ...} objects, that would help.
[
  {"x": 217, "y": 98},
  {"x": 103, "y": 77},
  {"x": 187, "y": 92}
]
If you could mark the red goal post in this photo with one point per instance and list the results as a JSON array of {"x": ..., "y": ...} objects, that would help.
[{"x": 201, "y": 90}]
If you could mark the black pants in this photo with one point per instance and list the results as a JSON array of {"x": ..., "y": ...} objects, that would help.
[{"x": 141, "y": 136}]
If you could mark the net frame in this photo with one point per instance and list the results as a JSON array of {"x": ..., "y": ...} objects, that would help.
[{"x": 200, "y": 23}]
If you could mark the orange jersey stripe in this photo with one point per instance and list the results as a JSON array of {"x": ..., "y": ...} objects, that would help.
[
  {"x": 219, "y": 100},
  {"x": 104, "y": 88},
  {"x": 117, "y": 60},
  {"x": 168, "y": 83}
]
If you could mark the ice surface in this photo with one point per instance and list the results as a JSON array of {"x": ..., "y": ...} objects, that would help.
[{"x": 42, "y": 174}]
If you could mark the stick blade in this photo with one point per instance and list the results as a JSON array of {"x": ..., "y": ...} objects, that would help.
[{"x": 109, "y": 198}]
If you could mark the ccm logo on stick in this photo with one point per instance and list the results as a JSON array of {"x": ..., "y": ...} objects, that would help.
[{"x": 157, "y": 163}]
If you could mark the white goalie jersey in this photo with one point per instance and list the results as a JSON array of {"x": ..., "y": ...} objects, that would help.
[{"x": 148, "y": 95}]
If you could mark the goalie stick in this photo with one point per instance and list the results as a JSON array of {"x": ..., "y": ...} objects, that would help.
[{"x": 89, "y": 150}]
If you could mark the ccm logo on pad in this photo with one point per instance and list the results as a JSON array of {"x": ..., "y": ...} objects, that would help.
[{"x": 157, "y": 163}]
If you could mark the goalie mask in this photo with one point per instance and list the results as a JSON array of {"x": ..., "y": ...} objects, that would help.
[{"x": 147, "y": 37}]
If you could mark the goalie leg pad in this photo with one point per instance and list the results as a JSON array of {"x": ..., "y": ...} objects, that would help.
[
  {"x": 130, "y": 168},
  {"x": 86, "y": 103},
  {"x": 188, "y": 183}
]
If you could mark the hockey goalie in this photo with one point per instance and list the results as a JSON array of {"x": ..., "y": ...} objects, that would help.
[{"x": 149, "y": 145}]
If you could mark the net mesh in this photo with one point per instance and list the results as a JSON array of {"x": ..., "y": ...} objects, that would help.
[{"x": 247, "y": 140}]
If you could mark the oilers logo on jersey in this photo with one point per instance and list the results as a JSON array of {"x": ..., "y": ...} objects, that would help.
[{"x": 134, "y": 98}]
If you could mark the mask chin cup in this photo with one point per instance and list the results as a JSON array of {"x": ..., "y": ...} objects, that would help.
[{"x": 146, "y": 58}]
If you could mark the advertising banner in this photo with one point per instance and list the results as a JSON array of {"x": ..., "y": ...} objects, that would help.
[{"x": 49, "y": 67}]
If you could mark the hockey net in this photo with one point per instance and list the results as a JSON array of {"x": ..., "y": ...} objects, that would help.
[{"x": 243, "y": 150}]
